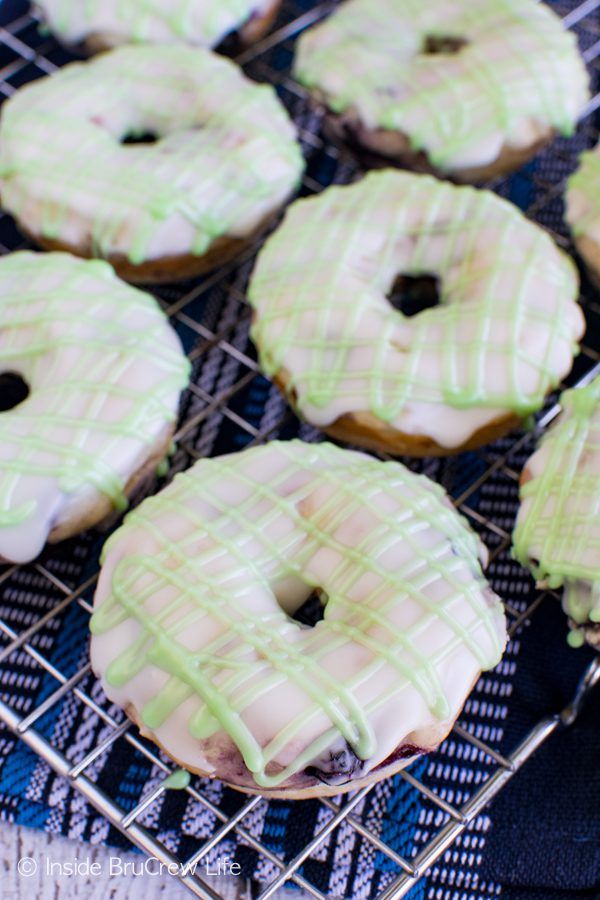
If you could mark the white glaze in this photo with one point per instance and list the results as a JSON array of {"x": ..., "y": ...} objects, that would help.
[
  {"x": 520, "y": 74},
  {"x": 105, "y": 371},
  {"x": 226, "y": 160},
  {"x": 204, "y": 23},
  {"x": 504, "y": 333},
  {"x": 235, "y": 542},
  {"x": 557, "y": 533}
]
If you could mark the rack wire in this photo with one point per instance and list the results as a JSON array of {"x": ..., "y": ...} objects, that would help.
[{"x": 25, "y": 53}]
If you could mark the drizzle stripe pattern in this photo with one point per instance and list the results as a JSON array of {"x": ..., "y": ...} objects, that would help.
[
  {"x": 226, "y": 155},
  {"x": 558, "y": 528},
  {"x": 502, "y": 336},
  {"x": 105, "y": 372},
  {"x": 518, "y": 76},
  {"x": 237, "y": 538}
]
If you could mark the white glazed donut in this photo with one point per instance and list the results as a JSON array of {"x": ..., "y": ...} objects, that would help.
[
  {"x": 557, "y": 535},
  {"x": 104, "y": 371},
  {"x": 451, "y": 377},
  {"x": 473, "y": 87},
  {"x": 203, "y": 23},
  {"x": 193, "y": 634},
  {"x": 583, "y": 209},
  {"x": 225, "y": 161}
]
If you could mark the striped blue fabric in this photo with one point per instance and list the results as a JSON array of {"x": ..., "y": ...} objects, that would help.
[{"x": 495, "y": 857}]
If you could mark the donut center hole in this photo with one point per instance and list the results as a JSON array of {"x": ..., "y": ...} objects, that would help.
[
  {"x": 140, "y": 137},
  {"x": 312, "y": 610},
  {"x": 437, "y": 44},
  {"x": 412, "y": 294},
  {"x": 13, "y": 391}
]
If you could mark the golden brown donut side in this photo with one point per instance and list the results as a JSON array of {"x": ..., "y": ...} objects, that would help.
[
  {"x": 319, "y": 788},
  {"x": 259, "y": 25},
  {"x": 100, "y": 512},
  {"x": 167, "y": 269},
  {"x": 589, "y": 250},
  {"x": 385, "y": 148},
  {"x": 364, "y": 428}
]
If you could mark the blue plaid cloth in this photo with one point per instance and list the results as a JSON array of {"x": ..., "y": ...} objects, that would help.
[{"x": 540, "y": 839}]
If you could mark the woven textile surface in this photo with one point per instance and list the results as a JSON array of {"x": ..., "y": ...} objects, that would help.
[{"x": 541, "y": 837}]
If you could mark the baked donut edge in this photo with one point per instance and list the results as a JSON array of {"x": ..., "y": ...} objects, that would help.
[
  {"x": 99, "y": 511},
  {"x": 364, "y": 429},
  {"x": 320, "y": 789},
  {"x": 166, "y": 269},
  {"x": 380, "y": 148},
  {"x": 589, "y": 250}
]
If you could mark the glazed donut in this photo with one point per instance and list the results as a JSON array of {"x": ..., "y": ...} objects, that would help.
[
  {"x": 471, "y": 89},
  {"x": 193, "y": 635},
  {"x": 583, "y": 210},
  {"x": 104, "y": 371},
  {"x": 451, "y": 377},
  {"x": 102, "y": 24},
  {"x": 557, "y": 534},
  {"x": 225, "y": 160}
]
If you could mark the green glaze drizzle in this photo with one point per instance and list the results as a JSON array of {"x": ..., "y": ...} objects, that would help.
[
  {"x": 557, "y": 535},
  {"x": 519, "y": 67},
  {"x": 78, "y": 335},
  {"x": 162, "y": 468},
  {"x": 203, "y": 23},
  {"x": 225, "y": 159},
  {"x": 586, "y": 183},
  {"x": 247, "y": 522},
  {"x": 319, "y": 291},
  {"x": 178, "y": 780}
]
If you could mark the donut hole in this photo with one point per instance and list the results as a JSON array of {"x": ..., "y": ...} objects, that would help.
[
  {"x": 140, "y": 137},
  {"x": 437, "y": 44},
  {"x": 13, "y": 391},
  {"x": 412, "y": 294},
  {"x": 312, "y": 609}
]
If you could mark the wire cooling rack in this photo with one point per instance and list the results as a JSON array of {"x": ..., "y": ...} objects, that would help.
[{"x": 221, "y": 342}]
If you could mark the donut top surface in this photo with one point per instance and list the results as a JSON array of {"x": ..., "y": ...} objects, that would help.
[
  {"x": 503, "y": 333},
  {"x": 192, "y": 626},
  {"x": 558, "y": 527},
  {"x": 225, "y": 155},
  {"x": 583, "y": 196},
  {"x": 461, "y": 79},
  {"x": 104, "y": 371},
  {"x": 202, "y": 22}
]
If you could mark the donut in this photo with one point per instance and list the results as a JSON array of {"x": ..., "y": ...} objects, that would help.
[
  {"x": 224, "y": 160},
  {"x": 583, "y": 210},
  {"x": 193, "y": 631},
  {"x": 467, "y": 89},
  {"x": 557, "y": 533},
  {"x": 450, "y": 377},
  {"x": 103, "y": 371},
  {"x": 103, "y": 24}
]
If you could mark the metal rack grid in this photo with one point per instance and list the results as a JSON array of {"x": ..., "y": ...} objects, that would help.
[{"x": 25, "y": 54}]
